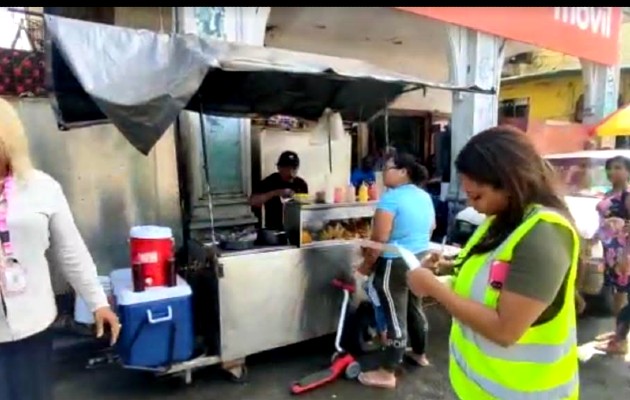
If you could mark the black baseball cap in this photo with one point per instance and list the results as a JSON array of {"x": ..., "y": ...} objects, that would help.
[{"x": 289, "y": 159}]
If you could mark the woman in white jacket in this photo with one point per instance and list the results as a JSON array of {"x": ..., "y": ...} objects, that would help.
[{"x": 34, "y": 219}]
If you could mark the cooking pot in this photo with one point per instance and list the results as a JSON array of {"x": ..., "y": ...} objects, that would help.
[{"x": 271, "y": 237}]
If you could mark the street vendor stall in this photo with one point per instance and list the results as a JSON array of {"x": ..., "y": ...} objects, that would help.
[{"x": 258, "y": 297}]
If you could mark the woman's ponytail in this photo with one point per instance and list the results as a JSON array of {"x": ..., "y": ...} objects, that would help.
[{"x": 418, "y": 174}]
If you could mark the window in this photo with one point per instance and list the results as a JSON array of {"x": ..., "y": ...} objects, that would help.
[{"x": 514, "y": 108}]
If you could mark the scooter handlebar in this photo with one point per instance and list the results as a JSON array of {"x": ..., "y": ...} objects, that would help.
[{"x": 339, "y": 284}]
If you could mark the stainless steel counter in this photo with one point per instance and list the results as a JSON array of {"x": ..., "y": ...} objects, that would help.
[{"x": 279, "y": 297}]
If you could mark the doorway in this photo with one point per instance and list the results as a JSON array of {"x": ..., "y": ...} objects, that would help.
[{"x": 407, "y": 131}]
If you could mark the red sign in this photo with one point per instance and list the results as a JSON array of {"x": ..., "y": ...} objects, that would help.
[{"x": 586, "y": 32}]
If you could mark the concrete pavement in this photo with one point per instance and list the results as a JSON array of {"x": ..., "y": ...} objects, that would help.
[{"x": 270, "y": 374}]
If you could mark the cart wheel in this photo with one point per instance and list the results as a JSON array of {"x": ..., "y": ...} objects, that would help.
[
  {"x": 238, "y": 374},
  {"x": 353, "y": 370}
]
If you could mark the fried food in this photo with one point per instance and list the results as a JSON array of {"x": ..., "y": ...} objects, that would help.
[{"x": 306, "y": 237}]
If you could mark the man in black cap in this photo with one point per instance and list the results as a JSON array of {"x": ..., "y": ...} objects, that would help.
[{"x": 283, "y": 183}]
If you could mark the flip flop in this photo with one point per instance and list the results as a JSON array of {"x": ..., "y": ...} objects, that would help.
[
  {"x": 365, "y": 380},
  {"x": 414, "y": 362}
]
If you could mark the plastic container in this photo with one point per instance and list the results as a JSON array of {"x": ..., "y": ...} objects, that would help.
[
  {"x": 340, "y": 195},
  {"x": 363, "y": 193},
  {"x": 157, "y": 324},
  {"x": 351, "y": 194},
  {"x": 151, "y": 246},
  {"x": 329, "y": 191},
  {"x": 373, "y": 192},
  {"x": 82, "y": 313}
]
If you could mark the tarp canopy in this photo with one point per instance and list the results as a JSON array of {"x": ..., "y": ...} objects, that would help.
[{"x": 141, "y": 80}]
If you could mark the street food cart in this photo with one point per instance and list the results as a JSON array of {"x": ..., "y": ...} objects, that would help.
[{"x": 261, "y": 297}]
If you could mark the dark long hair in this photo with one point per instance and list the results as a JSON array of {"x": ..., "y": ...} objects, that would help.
[
  {"x": 417, "y": 173},
  {"x": 505, "y": 158}
]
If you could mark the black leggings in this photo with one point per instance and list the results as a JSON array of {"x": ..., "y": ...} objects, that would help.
[
  {"x": 402, "y": 310},
  {"x": 26, "y": 368}
]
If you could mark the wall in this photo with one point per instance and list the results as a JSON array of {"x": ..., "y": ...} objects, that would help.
[
  {"x": 151, "y": 18},
  {"x": 551, "y": 137},
  {"x": 554, "y": 96},
  {"x": 110, "y": 186},
  {"x": 549, "y": 98}
]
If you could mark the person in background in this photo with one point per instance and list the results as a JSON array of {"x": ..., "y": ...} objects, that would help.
[
  {"x": 364, "y": 173},
  {"x": 281, "y": 184},
  {"x": 512, "y": 295},
  {"x": 34, "y": 219},
  {"x": 405, "y": 217},
  {"x": 614, "y": 211}
]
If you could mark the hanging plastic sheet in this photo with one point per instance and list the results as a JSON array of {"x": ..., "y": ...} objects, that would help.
[{"x": 141, "y": 80}]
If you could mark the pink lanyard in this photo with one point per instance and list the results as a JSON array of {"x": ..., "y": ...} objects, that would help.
[{"x": 5, "y": 237}]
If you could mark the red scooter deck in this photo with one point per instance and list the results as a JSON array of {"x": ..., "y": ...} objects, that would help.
[
  {"x": 323, "y": 377},
  {"x": 342, "y": 362}
]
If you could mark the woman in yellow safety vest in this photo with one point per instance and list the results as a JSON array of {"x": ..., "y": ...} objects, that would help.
[{"x": 513, "y": 335}]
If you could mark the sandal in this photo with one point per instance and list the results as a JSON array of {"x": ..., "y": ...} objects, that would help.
[
  {"x": 370, "y": 379},
  {"x": 613, "y": 347}
]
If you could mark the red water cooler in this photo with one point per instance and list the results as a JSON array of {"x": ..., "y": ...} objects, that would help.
[{"x": 151, "y": 249}]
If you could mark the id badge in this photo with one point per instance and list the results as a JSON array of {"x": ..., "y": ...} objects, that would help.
[{"x": 14, "y": 279}]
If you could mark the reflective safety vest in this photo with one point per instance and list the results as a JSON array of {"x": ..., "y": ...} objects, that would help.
[{"x": 543, "y": 364}]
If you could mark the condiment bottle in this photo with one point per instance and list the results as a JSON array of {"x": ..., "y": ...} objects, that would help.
[
  {"x": 339, "y": 195},
  {"x": 363, "y": 193},
  {"x": 329, "y": 190},
  {"x": 373, "y": 192},
  {"x": 351, "y": 194}
]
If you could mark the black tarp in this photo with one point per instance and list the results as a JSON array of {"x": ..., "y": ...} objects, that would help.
[{"x": 141, "y": 80}]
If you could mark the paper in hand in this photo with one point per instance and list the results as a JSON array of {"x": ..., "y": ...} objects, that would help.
[{"x": 408, "y": 257}]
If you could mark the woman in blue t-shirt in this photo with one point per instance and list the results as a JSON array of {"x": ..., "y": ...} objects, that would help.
[{"x": 405, "y": 217}]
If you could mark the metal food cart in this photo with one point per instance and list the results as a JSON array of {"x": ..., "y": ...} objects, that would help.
[{"x": 256, "y": 299}]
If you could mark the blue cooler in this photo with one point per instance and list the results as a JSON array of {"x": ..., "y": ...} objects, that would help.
[{"x": 157, "y": 327}]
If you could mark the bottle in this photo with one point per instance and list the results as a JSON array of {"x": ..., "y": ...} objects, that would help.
[
  {"x": 363, "y": 193},
  {"x": 373, "y": 192},
  {"x": 351, "y": 194},
  {"x": 340, "y": 194},
  {"x": 330, "y": 190}
]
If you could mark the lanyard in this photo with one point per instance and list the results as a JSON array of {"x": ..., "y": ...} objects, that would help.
[{"x": 5, "y": 237}]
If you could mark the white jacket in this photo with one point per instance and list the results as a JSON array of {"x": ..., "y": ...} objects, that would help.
[{"x": 42, "y": 227}]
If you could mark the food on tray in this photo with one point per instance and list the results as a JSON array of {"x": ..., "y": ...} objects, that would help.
[
  {"x": 306, "y": 237},
  {"x": 346, "y": 230},
  {"x": 301, "y": 198}
]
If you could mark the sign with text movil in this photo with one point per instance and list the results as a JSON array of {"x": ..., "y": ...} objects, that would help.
[{"x": 591, "y": 33}]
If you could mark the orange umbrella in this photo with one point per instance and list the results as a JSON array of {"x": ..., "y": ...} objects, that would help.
[{"x": 615, "y": 124}]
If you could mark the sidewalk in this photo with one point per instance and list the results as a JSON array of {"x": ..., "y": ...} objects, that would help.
[{"x": 271, "y": 373}]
